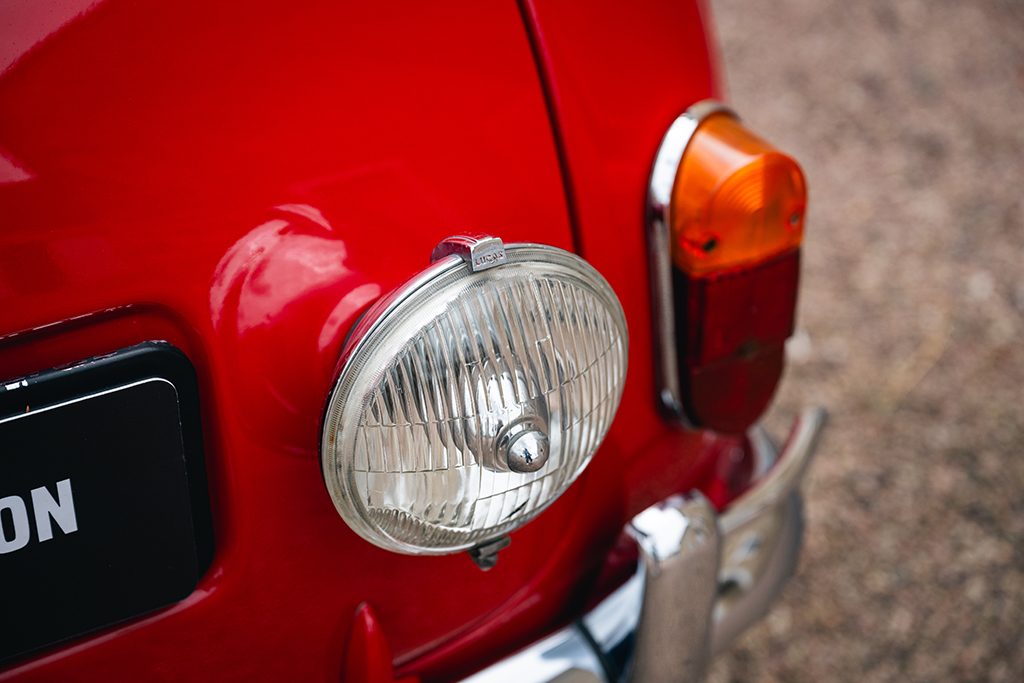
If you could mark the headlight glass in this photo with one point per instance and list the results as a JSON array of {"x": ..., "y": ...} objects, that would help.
[{"x": 467, "y": 402}]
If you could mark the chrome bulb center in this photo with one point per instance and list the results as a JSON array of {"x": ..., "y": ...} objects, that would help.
[{"x": 525, "y": 445}]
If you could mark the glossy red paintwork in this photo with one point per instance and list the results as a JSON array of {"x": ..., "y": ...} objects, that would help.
[
  {"x": 243, "y": 180},
  {"x": 368, "y": 656}
]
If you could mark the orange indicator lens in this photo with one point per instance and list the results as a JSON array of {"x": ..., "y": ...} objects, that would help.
[{"x": 737, "y": 201}]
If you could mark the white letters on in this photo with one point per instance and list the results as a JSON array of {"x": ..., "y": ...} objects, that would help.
[
  {"x": 61, "y": 510},
  {"x": 46, "y": 511},
  {"x": 21, "y": 533}
]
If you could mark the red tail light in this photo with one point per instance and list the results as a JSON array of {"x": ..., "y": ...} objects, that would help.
[{"x": 727, "y": 214}]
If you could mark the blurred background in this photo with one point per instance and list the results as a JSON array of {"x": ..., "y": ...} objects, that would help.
[{"x": 909, "y": 120}]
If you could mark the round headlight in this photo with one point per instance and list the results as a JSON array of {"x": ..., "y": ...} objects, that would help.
[{"x": 469, "y": 399}]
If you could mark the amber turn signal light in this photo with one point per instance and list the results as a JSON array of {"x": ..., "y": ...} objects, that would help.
[
  {"x": 725, "y": 223},
  {"x": 736, "y": 200}
]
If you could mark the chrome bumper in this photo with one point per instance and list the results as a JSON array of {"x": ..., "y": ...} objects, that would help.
[{"x": 702, "y": 579}]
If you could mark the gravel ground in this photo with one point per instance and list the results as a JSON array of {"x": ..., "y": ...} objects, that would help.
[{"x": 909, "y": 119}]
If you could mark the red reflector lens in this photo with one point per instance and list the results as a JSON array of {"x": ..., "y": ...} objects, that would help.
[
  {"x": 732, "y": 340},
  {"x": 740, "y": 312}
]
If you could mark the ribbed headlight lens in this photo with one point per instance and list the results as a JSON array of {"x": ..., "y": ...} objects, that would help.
[{"x": 468, "y": 401}]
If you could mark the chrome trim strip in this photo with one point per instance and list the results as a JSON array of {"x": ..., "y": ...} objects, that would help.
[
  {"x": 702, "y": 579},
  {"x": 756, "y": 564},
  {"x": 784, "y": 477},
  {"x": 564, "y": 656},
  {"x": 679, "y": 546},
  {"x": 763, "y": 532},
  {"x": 613, "y": 622},
  {"x": 659, "y": 196}
]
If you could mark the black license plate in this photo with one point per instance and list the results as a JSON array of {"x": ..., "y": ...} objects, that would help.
[{"x": 104, "y": 512}]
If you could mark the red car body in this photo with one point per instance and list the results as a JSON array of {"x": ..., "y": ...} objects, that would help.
[{"x": 243, "y": 180}]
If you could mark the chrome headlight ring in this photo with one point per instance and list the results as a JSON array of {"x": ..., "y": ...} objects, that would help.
[{"x": 472, "y": 396}]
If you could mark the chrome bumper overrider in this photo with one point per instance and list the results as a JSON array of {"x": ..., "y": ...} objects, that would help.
[{"x": 702, "y": 579}]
